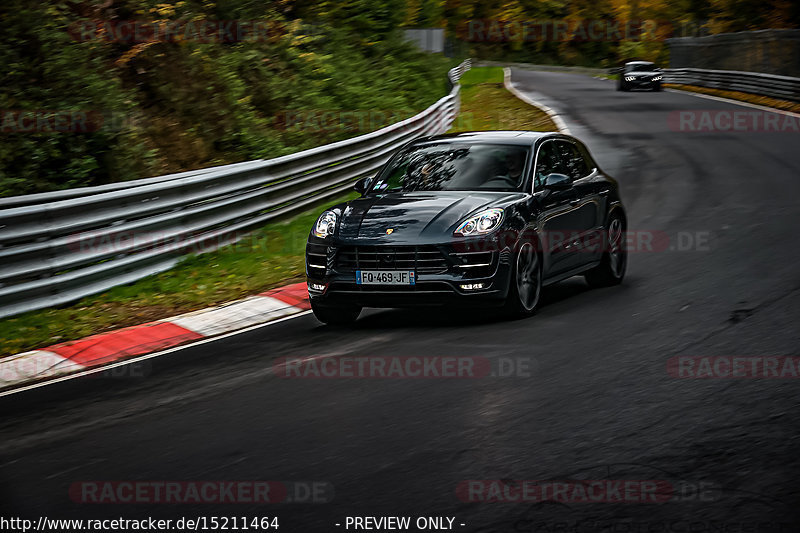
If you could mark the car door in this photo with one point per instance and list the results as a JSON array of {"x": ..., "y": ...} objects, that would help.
[
  {"x": 556, "y": 218},
  {"x": 585, "y": 239},
  {"x": 596, "y": 189}
]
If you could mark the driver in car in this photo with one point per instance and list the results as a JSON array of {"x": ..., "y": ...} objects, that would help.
[{"x": 514, "y": 163}]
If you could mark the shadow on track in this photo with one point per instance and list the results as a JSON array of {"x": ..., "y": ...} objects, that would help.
[{"x": 448, "y": 317}]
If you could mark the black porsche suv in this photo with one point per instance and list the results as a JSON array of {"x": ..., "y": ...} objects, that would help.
[{"x": 483, "y": 218}]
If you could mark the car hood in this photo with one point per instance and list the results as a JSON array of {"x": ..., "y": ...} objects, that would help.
[{"x": 415, "y": 218}]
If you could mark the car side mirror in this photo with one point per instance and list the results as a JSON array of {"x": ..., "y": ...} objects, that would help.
[
  {"x": 557, "y": 182},
  {"x": 360, "y": 186}
]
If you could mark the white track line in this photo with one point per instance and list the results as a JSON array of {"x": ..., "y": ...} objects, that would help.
[
  {"x": 147, "y": 356},
  {"x": 737, "y": 102},
  {"x": 559, "y": 122}
]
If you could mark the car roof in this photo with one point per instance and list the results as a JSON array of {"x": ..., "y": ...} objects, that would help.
[{"x": 503, "y": 137}]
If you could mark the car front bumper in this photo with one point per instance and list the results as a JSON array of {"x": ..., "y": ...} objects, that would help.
[
  {"x": 645, "y": 83},
  {"x": 439, "y": 284}
]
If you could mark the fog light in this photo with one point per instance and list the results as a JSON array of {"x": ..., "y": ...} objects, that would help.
[
  {"x": 472, "y": 286},
  {"x": 316, "y": 287}
]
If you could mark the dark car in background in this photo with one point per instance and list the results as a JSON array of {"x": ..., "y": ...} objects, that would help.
[
  {"x": 639, "y": 75},
  {"x": 483, "y": 218}
]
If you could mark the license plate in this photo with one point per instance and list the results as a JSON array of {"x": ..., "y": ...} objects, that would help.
[{"x": 385, "y": 277}]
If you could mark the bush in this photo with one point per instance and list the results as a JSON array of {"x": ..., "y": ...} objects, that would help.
[{"x": 172, "y": 106}]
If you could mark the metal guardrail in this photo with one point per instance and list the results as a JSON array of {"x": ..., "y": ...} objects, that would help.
[
  {"x": 780, "y": 87},
  {"x": 77, "y": 192},
  {"x": 758, "y": 83},
  {"x": 58, "y": 247}
]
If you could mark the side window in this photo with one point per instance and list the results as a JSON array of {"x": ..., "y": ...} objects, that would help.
[
  {"x": 575, "y": 166},
  {"x": 547, "y": 162}
]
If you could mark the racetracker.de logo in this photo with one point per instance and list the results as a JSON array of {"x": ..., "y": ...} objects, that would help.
[
  {"x": 382, "y": 367},
  {"x": 403, "y": 367},
  {"x": 725, "y": 121},
  {"x": 735, "y": 367},
  {"x": 178, "y": 492},
  {"x": 576, "y": 30},
  {"x": 632, "y": 241},
  {"x": 126, "y": 241},
  {"x": 565, "y": 491},
  {"x": 198, "y": 31},
  {"x": 327, "y": 120},
  {"x": 49, "y": 121},
  {"x": 202, "y": 492}
]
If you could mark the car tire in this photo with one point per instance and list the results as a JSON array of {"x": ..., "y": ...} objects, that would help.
[
  {"x": 525, "y": 283},
  {"x": 339, "y": 315},
  {"x": 657, "y": 88},
  {"x": 611, "y": 270}
]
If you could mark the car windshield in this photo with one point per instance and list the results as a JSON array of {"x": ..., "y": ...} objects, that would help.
[
  {"x": 640, "y": 67},
  {"x": 454, "y": 167}
]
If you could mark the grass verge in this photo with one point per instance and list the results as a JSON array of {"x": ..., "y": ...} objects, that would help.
[
  {"x": 487, "y": 105},
  {"x": 766, "y": 101},
  {"x": 270, "y": 257}
]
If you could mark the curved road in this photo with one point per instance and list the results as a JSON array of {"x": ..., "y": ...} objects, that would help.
[{"x": 596, "y": 403}]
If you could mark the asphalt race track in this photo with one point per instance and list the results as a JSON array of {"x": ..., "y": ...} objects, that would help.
[{"x": 596, "y": 403}]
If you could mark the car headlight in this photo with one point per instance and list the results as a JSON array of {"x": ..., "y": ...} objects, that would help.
[
  {"x": 657, "y": 78},
  {"x": 630, "y": 78},
  {"x": 480, "y": 224},
  {"x": 326, "y": 224}
]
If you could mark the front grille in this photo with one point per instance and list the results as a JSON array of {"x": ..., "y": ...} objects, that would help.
[{"x": 422, "y": 259}]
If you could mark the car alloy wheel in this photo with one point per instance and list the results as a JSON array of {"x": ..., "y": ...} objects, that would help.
[
  {"x": 612, "y": 267},
  {"x": 528, "y": 278},
  {"x": 616, "y": 250}
]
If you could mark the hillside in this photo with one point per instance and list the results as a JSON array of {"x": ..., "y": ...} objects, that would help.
[{"x": 98, "y": 94}]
